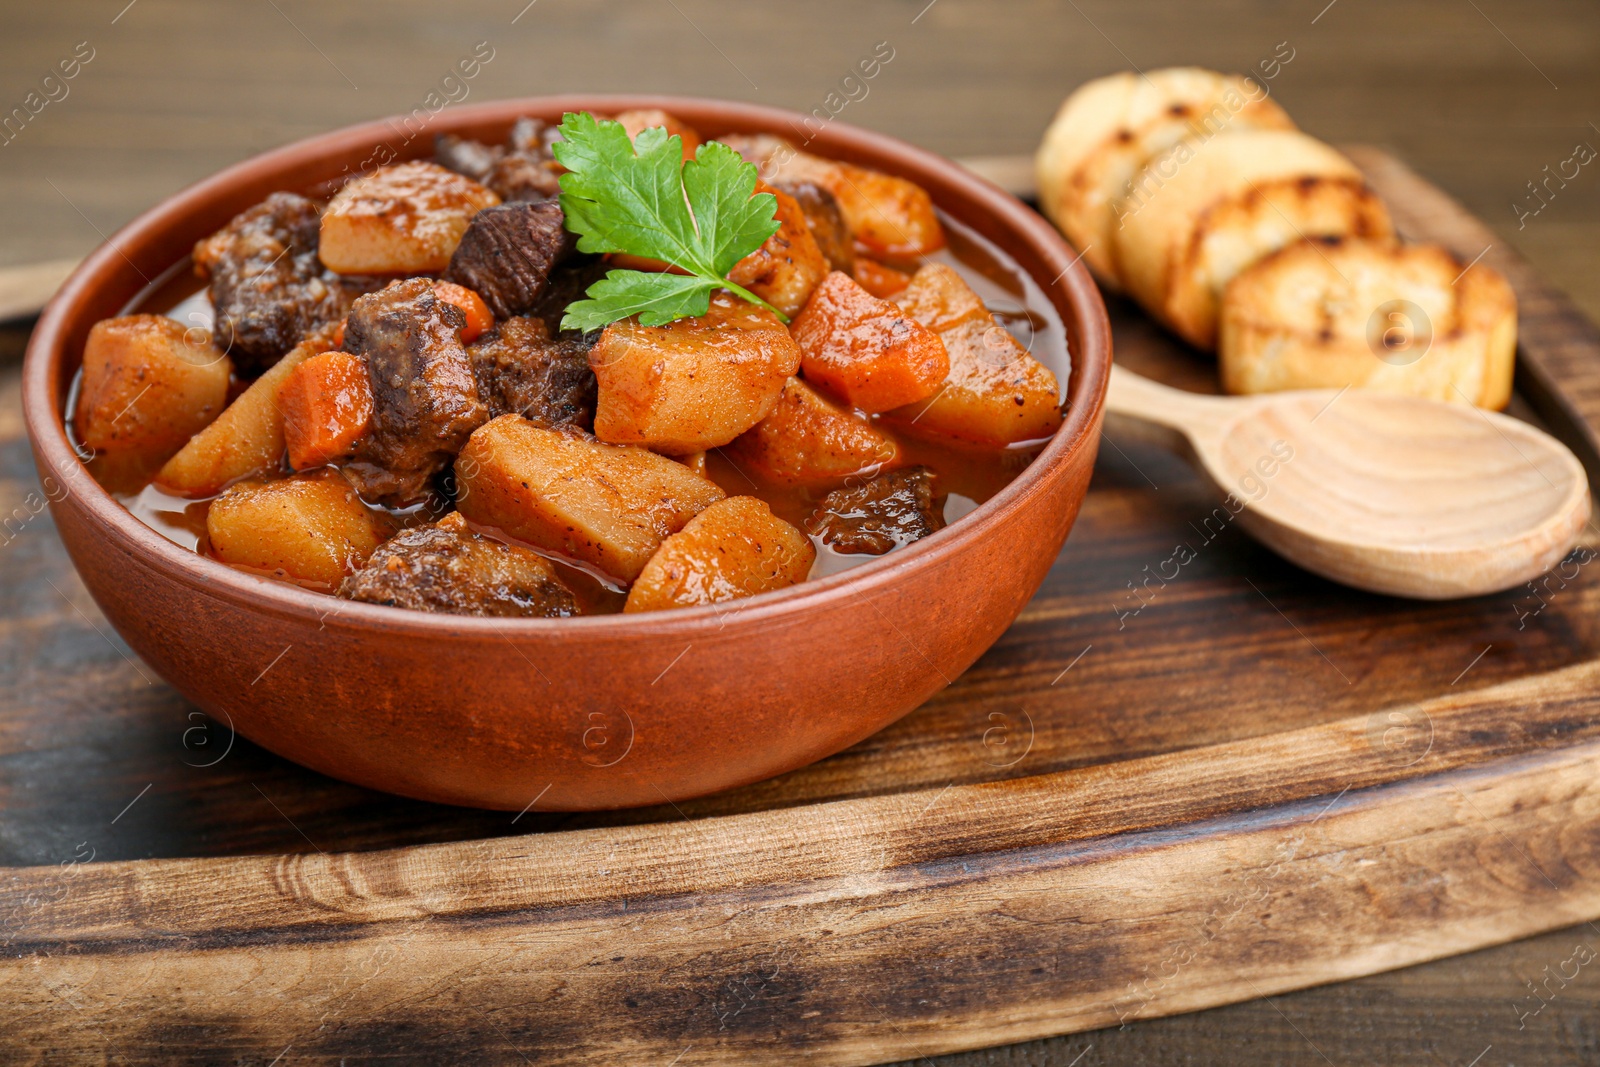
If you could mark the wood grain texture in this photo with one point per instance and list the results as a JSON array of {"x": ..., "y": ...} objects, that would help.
[
  {"x": 1069, "y": 901},
  {"x": 1216, "y": 861},
  {"x": 171, "y": 98},
  {"x": 25, "y": 289}
]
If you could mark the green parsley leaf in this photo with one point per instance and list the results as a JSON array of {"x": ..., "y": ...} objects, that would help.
[
  {"x": 642, "y": 198},
  {"x": 656, "y": 298}
]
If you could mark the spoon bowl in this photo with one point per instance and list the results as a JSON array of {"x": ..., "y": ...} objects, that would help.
[{"x": 1392, "y": 494}]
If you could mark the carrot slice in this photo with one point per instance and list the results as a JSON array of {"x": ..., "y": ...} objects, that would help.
[
  {"x": 865, "y": 350},
  {"x": 624, "y": 261},
  {"x": 879, "y": 279},
  {"x": 807, "y": 440},
  {"x": 327, "y": 408},
  {"x": 479, "y": 317}
]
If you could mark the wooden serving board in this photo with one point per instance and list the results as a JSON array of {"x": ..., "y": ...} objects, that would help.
[{"x": 1237, "y": 781}]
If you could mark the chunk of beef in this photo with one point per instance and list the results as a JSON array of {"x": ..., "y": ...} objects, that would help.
[
  {"x": 892, "y": 510},
  {"x": 528, "y": 170},
  {"x": 521, "y": 369},
  {"x": 473, "y": 159},
  {"x": 507, "y": 254},
  {"x": 533, "y": 136},
  {"x": 568, "y": 282},
  {"x": 424, "y": 399},
  {"x": 520, "y": 178},
  {"x": 449, "y": 569},
  {"x": 523, "y": 169},
  {"x": 268, "y": 287},
  {"x": 825, "y": 221}
]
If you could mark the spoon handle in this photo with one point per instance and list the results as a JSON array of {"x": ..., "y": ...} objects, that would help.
[{"x": 1155, "y": 411}]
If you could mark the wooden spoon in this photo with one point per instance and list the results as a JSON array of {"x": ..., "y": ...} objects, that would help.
[{"x": 1392, "y": 494}]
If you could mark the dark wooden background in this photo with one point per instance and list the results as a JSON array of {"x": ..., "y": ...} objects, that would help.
[{"x": 1479, "y": 95}]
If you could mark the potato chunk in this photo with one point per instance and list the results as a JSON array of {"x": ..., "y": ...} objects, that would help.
[
  {"x": 809, "y": 440},
  {"x": 694, "y": 383},
  {"x": 605, "y": 505},
  {"x": 997, "y": 394},
  {"x": 310, "y": 529},
  {"x": 941, "y": 299},
  {"x": 246, "y": 439},
  {"x": 865, "y": 350},
  {"x": 785, "y": 269},
  {"x": 695, "y": 461},
  {"x": 735, "y": 548},
  {"x": 641, "y": 119},
  {"x": 887, "y": 216},
  {"x": 148, "y": 385},
  {"x": 404, "y": 219}
]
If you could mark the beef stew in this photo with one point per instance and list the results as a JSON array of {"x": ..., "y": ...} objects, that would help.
[{"x": 505, "y": 466}]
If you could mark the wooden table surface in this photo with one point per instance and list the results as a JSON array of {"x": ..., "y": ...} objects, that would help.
[{"x": 1478, "y": 95}]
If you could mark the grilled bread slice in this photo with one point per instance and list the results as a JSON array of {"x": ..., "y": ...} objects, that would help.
[
  {"x": 1110, "y": 127},
  {"x": 1331, "y": 312},
  {"x": 1202, "y": 212}
]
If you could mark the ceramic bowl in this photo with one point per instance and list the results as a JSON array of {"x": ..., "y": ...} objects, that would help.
[{"x": 573, "y": 714}]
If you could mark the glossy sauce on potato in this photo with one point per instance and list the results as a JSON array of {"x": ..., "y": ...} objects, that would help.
[{"x": 968, "y": 476}]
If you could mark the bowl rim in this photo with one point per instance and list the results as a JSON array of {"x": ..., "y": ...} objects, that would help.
[{"x": 1071, "y": 289}]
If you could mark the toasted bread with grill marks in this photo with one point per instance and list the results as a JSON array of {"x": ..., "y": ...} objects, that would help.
[
  {"x": 1204, "y": 211},
  {"x": 1331, "y": 313},
  {"x": 1110, "y": 127}
]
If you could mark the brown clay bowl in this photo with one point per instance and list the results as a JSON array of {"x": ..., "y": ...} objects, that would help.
[{"x": 599, "y": 712}]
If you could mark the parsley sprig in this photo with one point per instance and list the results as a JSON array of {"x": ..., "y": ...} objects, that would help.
[{"x": 641, "y": 197}]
